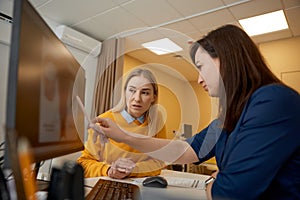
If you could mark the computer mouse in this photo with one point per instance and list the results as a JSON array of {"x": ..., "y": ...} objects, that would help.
[{"x": 155, "y": 181}]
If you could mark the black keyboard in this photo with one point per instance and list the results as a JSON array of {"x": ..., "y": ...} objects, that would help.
[{"x": 110, "y": 189}]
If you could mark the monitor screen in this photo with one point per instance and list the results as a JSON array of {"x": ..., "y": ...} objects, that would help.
[{"x": 44, "y": 80}]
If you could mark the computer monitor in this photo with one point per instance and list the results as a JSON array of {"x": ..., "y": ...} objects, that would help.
[{"x": 44, "y": 80}]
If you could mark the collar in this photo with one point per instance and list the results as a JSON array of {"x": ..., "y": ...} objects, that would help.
[{"x": 130, "y": 119}]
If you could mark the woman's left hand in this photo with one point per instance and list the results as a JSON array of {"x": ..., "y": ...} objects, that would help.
[{"x": 121, "y": 168}]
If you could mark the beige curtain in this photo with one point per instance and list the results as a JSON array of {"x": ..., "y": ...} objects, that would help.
[{"x": 109, "y": 72}]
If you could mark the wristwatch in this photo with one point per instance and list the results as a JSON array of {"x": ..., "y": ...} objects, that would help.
[{"x": 207, "y": 181}]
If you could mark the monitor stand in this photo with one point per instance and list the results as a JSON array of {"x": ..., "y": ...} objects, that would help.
[{"x": 42, "y": 185}]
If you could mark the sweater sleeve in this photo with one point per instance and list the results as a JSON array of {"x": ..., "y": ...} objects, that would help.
[
  {"x": 91, "y": 166},
  {"x": 150, "y": 166},
  {"x": 89, "y": 159},
  {"x": 162, "y": 133}
]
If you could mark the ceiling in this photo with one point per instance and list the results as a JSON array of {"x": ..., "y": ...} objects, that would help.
[{"x": 182, "y": 21}]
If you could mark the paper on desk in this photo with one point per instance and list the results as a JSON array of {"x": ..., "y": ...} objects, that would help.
[{"x": 180, "y": 182}]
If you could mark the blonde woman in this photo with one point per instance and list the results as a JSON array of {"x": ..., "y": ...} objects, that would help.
[{"x": 136, "y": 112}]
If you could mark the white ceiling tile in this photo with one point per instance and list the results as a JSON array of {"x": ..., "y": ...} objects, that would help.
[
  {"x": 207, "y": 30},
  {"x": 182, "y": 26},
  {"x": 196, "y": 35},
  {"x": 230, "y": 2},
  {"x": 120, "y": 2},
  {"x": 191, "y": 7},
  {"x": 145, "y": 35},
  {"x": 153, "y": 12},
  {"x": 71, "y": 12},
  {"x": 37, "y": 3},
  {"x": 214, "y": 19},
  {"x": 293, "y": 17},
  {"x": 169, "y": 33},
  {"x": 149, "y": 35},
  {"x": 134, "y": 42},
  {"x": 180, "y": 20},
  {"x": 95, "y": 29},
  {"x": 177, "y": 37},
  {"x": 255, "y": 7},
  {"x": 120, "y": 20},
  {"x": 291, "y": 3}
]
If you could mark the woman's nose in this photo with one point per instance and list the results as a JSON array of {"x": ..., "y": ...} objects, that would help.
[
  {"x": 200, "y": 80},
  {"x": 137, "y": 96}
]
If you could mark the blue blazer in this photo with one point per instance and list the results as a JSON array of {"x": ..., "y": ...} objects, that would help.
[{"x": 260, "y": 158}]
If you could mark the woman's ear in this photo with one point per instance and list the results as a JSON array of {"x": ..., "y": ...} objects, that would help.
[{"x": 154, "y": 98}]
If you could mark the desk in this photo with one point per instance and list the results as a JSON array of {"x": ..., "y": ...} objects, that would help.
[{"x": 171, "y": 192}]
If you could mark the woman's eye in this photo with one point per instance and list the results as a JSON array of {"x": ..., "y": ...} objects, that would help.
[
  {"x": 145, "y": 93},
  {"x": 131, "y": 90}
]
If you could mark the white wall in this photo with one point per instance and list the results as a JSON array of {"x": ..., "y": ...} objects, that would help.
[
  {"x": 6, "y": 7},
  {"x": 4, "y": 55},
  {"x": 5, "y": 27}
]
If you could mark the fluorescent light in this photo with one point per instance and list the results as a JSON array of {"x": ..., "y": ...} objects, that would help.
[
  {"x": 162, "y": 46},
  {"x": 266, "y": 23}
]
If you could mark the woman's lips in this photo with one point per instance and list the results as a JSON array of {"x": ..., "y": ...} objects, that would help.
[{"x": 136, "y": 106}]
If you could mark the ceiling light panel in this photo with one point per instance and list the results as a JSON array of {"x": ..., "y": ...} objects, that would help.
[
  {"x": 265, "y": 23},
  {"x": 162, "y": 46}
]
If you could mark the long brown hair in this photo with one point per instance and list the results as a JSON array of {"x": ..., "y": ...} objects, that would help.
[{"x": 242, "y": 68}]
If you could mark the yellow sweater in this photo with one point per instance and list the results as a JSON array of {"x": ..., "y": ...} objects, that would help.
[{"x": 97, "y": 162}]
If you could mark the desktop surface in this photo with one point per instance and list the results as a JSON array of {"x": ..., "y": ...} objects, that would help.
[{"x": 170, "y": 192}]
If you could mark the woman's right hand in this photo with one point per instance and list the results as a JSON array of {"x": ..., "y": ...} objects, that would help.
[{"x": 108, "y": 128}]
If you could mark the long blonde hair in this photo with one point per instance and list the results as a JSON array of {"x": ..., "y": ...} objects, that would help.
[{"x": 155, "y": 121}]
